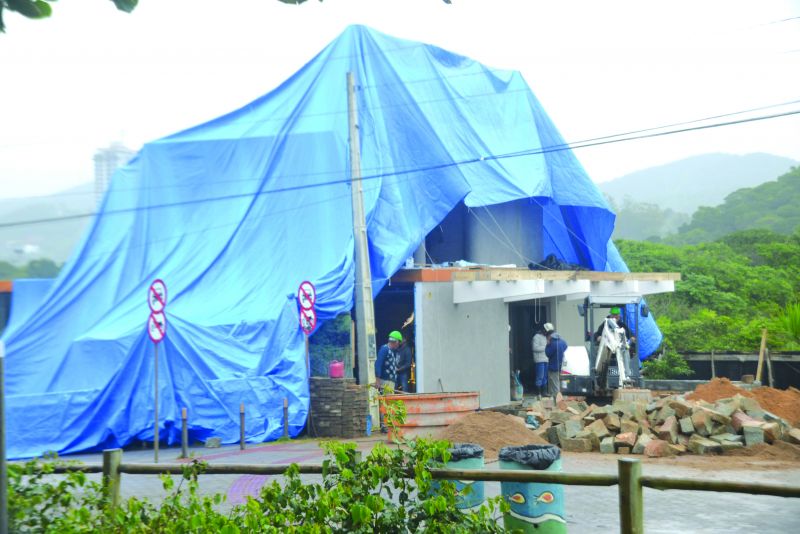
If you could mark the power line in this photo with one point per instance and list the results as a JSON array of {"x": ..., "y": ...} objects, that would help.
[
  {"x": 573, "y": 144},
  {"x": 481, "y": 159}
]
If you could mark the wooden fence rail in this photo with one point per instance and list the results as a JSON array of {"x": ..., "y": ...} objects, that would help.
[{"x": 630, "y": 480}]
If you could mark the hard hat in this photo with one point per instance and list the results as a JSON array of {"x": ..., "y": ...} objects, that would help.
[
  {"x": 548, "y": 327},
  {"x": 615, "y": 310},
  {"x": 395, "y": 336}
]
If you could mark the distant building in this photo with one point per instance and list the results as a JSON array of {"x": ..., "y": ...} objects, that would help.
[{"x": 106, "y": 161}]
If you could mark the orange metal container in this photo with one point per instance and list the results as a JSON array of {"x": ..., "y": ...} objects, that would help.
[{"x": 428, "y": 413}]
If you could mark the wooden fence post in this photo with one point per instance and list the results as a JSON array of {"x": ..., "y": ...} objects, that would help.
[
  {"x": 631, "y": 502},
  {"x": 241, "y": 426},
  {"x": 184, "y": 435},
  {"x": 111, "y": 476},
  {"x": 761, "y": 354}
]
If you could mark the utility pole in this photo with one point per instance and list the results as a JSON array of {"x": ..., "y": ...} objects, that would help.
[
  {"x": 3, "y": 466},
  {"x": 365, "y": 310}
]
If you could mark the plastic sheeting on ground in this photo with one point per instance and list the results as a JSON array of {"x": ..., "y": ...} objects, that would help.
[{"x": 235, "y": 213}]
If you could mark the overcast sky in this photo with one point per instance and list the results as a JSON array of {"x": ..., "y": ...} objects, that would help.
[{"x": 91, "y": 75}]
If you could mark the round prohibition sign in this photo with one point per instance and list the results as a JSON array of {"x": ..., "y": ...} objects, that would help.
[
  {"x": 308, "y": 320},
  {"x": 306, "y": 295},
  {"x": 157, "y": 296},
  {"x": 157, "y": 326}
]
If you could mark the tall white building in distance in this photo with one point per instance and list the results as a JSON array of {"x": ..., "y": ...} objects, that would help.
[{"x": 106, "y": 161}]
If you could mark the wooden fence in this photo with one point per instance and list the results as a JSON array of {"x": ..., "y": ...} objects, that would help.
[{"x": 629, "y": 478}]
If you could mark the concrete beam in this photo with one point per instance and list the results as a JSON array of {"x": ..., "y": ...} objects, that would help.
[{"x": 477, "y": 291}]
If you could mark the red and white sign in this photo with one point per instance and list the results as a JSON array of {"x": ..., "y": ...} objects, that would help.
[
  {"x": 157, "y": 296},
  {"x": 157, "y": 326},
  {"x": 306, "y": 295},
  {"x": 308, "y": 320}
]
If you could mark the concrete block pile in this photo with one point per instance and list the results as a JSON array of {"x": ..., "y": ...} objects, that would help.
[
  {"x": 660, "y": 427},
  {"x": 338, "y": 408}
]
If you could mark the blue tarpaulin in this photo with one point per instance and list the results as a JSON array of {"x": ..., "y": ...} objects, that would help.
[{"x": 235, "y": 213}]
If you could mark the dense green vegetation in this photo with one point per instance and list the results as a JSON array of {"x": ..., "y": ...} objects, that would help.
[
  {"x": 34, "y": 269},
  {"x": 391, "y": 490},
  {"x": 330, "y": 342},
  {"x": 731, "y": 289},
  {"x": 644, "y": 221},
  {"x": 773, "y": 205}
]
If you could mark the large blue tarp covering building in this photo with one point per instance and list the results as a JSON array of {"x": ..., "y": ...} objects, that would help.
[{"x": 235, "y": 213}]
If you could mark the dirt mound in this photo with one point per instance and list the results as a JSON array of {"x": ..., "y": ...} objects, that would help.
[
  {"x": 783, "y": 403},
  {"x": 779, "y": 451},
  {"x": 719, "y": 388},
  {"x": 492, "y": 431}
]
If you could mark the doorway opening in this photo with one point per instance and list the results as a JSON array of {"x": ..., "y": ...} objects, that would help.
[{"x": 525, "y": 319}]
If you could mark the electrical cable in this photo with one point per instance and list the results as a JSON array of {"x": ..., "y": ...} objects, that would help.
[{"x": 481, "y": 159}]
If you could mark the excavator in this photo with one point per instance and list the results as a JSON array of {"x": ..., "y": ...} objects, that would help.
[{"x": 597, "y": 369}]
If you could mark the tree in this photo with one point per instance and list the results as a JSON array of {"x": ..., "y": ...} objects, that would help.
[{"x": 41, "y": 9}]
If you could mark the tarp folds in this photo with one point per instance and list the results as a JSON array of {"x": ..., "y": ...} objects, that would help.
[{"x": 235, "y": 213}]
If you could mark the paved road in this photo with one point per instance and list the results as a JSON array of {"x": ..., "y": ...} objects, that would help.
[{"x": 589, "y": 509}]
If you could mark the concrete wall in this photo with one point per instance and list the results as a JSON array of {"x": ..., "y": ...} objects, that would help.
[
  {"x": 492, "y": 230},
  {"x": 466, "y": 346}
]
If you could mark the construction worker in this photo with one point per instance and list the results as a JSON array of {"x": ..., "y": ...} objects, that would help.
[
  {"x": 614, "y": 313},
  {"x": 556, "y": 347},
  {"x": 540, "y": 362},
  {"x": 386, "y": 362},
  {"x": 386, "y": 368}
]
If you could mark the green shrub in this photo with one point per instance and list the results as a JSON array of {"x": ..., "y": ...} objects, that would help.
[
  {"x": 669, "y": 364},
  {"x": 391, "y": 490}
]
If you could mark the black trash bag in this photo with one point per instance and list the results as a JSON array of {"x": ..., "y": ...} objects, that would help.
[
  {"x": 464, "y": 451},
  {"x": 552, "y": 263},
  {"x": 538, "y": 457}
]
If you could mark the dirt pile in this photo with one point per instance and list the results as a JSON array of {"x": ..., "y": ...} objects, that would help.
[
  {"x": 492, "y": 431},
  {"x": 783, "y": 403},
  {"x": 719, "y": 388}
]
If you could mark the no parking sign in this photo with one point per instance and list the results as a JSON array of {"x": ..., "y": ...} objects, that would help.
[
  {"x": 306, "y": 297},
  {"x": 157, "y": 300}
]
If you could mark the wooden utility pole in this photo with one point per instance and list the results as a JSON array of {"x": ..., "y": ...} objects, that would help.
[
  {"x": 3, "y": 466},
  {"x": 365, "y": 310}
]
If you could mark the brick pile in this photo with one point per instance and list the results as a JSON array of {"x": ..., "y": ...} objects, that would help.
[
  {"x": 661, "y": 427},
  {"x": 338, "y": 408}
]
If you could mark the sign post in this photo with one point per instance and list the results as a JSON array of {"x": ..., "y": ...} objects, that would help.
[
  {"x": 306, "y": 298},
  {"x": 157, "y": 330}
]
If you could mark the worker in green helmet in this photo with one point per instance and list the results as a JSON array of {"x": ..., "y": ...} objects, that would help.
[
  {"x": 614, "y": 313},
  {"x": 386, "y": 366},
  {"x": 386, "y": 363}
]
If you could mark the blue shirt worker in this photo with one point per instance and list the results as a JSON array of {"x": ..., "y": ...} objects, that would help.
[{"x": 556, "y": 347}]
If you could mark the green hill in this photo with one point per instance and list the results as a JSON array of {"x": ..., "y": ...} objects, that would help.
[
  {"x": 705, "y": 180},
  {"x": 772, "y": 206}
]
